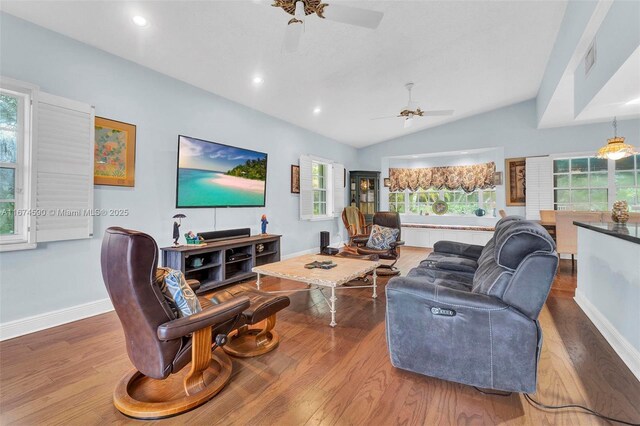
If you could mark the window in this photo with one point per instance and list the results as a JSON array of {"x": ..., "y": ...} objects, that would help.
[
  {"x": 15, "y": 111},
  {"x": 460, "y": 203},
  {"x": 396, "y": 202},
  {"x": 627, "y": 181},
  {"x": 45, "y": 187},
  {"x": 593, "y": 184},
  {"x": 321, "y": 188},
  {"x": 581, "y": 184},
  {"x": 319, "y": 184}
]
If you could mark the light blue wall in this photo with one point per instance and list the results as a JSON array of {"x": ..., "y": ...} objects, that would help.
[
  {"x": 617, "y": 38},
  {"x": 60, "y": 275},
  {"x": 512, "y": 128},
  {"x": 576, "y": 17}
]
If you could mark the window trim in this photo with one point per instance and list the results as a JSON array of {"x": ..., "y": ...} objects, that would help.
[{"x": 24, "y": 166}]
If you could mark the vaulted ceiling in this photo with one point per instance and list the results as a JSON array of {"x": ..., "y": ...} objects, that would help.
[{"x": 469, "y": 56}]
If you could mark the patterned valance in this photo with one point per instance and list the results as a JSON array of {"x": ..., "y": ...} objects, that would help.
[{"x": 467, "y": 178}]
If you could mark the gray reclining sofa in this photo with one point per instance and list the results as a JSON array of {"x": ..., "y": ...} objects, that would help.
[{"x": 469, "y": 314}]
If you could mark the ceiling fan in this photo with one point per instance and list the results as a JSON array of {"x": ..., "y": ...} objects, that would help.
[
  {"x": 300, "y": 9},
  {"x": 412, "y": 110}
]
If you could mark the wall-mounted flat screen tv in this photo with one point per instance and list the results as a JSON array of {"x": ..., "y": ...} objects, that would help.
[{"x": 216, "y": 175}]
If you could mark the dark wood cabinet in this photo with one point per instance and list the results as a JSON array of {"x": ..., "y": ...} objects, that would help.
[
  {"x": 219, "y": 263},
  {"x": 364, "y": 192}
]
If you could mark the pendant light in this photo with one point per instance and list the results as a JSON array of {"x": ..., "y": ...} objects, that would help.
[{"x": 615, "y": 149}]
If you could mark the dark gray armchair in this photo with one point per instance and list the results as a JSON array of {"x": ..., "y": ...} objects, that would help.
[{"x": 478, "y": 328}]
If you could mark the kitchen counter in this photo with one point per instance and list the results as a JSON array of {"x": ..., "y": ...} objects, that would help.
[{"x": 627, "y": 231}]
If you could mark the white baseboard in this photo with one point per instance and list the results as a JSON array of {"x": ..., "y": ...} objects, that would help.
[
  {"x": 627, "y": 352},
  {"x": 20, "y": 327}
]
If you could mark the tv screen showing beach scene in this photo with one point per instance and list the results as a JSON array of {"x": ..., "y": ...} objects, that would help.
[{"x": 216, "y": 175}]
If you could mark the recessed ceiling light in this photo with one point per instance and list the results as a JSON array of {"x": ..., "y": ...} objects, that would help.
[
  {"x": 258, "y": 80},
  {"x": 317, "y": 110},
  {"x": 140, "y": 21},
  {"x": 464, "y": 152},
  {"x": 635, "y": 101},
  {"x": 414, "y": 156}
]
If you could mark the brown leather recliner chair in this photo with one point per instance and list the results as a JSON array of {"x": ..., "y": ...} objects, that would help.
[
  {"x": 388, "y": 220},
  {"x": 158, "y": 343}
]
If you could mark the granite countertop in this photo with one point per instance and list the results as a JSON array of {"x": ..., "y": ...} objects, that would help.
[
  {"x": 453, "y": 227},
  {"x": 627, "y": 231}
]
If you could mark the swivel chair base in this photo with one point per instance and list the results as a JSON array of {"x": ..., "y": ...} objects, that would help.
[
  {"x": 387, "y": 271},
  {"x": 142, "y": 397},
  {"x": 247, "y": 342}
]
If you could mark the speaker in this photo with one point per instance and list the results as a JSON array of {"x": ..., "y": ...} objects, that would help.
[
  {"x": 226, "y": 234},
  {"x": 324, "y": 240}
]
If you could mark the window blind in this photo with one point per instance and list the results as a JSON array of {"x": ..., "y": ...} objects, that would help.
[
  {"x": 539, "y": 186},
  {"x": 64, "y": 174}
]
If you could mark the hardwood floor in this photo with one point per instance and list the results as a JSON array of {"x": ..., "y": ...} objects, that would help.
[{"x": 318, "y": 375}]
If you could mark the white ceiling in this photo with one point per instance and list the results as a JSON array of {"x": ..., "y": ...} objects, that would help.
[{"x": 470, "y": 56}]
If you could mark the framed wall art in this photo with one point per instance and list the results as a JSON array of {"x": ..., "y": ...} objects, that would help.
[
  {"x": 516, "y": 181},
  {"x": 114, "y": 153},
  {"x": 295, "y": 179}
]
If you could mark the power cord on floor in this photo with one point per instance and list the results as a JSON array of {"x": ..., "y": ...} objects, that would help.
[{"x": 538, "y": 404}]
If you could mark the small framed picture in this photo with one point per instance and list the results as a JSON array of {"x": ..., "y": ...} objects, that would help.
[
  {"x": 497, "y": 178},
  {"x": 387, "y": 182},
  {"x": 295, "y": 179}
]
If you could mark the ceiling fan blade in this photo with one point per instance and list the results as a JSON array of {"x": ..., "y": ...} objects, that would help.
[
  {"x": 353, "y": 15},
  {"x": 387, "y": 117},
  {"x": 437, "y": 113},
  {"x": 292, "y": 37}
]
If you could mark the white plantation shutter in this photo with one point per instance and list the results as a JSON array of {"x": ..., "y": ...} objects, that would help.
[
  {"x": 539, "y": 186},
  {"x": 338, "y": 189},
  {"x": 64, "y": 177},
  {"x": 306, "y": 188}
]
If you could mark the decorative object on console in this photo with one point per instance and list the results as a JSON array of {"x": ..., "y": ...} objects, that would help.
[
  {"x": 295, "y": 179},
  {"x": 114, "y": 153},
  {"x": 616, "y": 148},
  {"x": 620, "y": 212},
  {"x": 440, "y": 207},
  {"x": 194, "y": 239},
  {"x": 468, "y": 178},
  {"x": 265, "y": 222},
  {"x": 259, "y": 248},
  {"x": 516, "y": 181},
  {"x": 176, "y": 228},
  {"x": 479, "y": 212}
]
